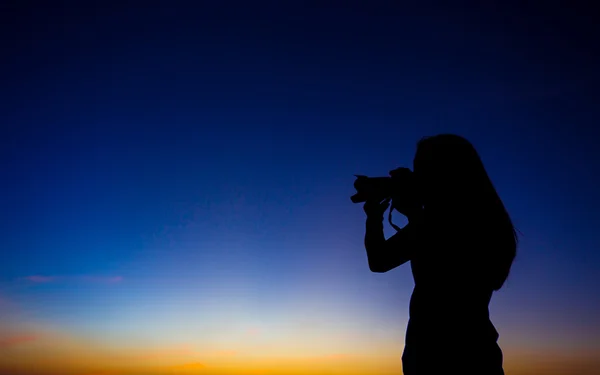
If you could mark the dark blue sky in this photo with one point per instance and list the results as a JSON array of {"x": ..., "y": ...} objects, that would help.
[{"x": 146, "y": 140}]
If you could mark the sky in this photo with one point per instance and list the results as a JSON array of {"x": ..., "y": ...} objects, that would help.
[{"x": 176, "y": 179}]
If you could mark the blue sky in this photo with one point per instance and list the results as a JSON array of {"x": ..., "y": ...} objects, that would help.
[{"x": 189, "y": 165}]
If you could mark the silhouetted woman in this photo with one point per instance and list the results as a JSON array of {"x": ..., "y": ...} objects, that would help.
[{"x": 460, "y": 242}]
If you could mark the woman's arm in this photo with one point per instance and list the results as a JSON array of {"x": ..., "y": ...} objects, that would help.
[{"x": 384, "y": 255}]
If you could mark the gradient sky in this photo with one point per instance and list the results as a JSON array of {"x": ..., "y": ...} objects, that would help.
[{"x": 176, "y": 180}]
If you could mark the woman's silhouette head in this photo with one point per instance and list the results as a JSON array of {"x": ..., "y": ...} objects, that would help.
[{"x": 455, "y": 185}]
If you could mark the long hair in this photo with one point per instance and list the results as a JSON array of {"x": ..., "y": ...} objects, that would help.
[{"x": 459, "y": 181}]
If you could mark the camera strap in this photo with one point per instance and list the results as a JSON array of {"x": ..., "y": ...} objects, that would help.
[{"x": 397, "y": 228}]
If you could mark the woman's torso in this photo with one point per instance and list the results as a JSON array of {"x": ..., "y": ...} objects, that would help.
[{"x": 450, "y": 301}]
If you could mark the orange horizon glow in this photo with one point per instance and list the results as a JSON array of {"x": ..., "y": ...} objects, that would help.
[
  {"x": 46, "y": 352},
  {"x": 303, "y": 345}
]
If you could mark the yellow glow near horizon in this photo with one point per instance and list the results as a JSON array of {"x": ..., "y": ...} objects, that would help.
[
  {"x": 52, "y": 353},
  {"x": 300, "y": 344}
]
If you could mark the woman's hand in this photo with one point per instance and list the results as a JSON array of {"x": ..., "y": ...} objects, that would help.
[
  {"x": 401, "y": 173},
  {"x": 376, "y": 209}
]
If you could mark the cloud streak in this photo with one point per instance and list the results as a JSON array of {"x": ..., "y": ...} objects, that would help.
[
  {"x": 42, "y": 279},
  {"x": 15, "y": 340},
  {"x": 38, "y": 279}
]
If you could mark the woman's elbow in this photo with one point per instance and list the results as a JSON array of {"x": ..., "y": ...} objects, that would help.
[{"x": 378, "y": 267}]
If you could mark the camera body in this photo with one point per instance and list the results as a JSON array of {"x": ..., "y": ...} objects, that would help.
[{"x": 401, "y": 185}]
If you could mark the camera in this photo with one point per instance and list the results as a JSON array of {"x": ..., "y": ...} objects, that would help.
[
  {"x": 400, "y": 188},
  {"x": 401, "y": 183}
]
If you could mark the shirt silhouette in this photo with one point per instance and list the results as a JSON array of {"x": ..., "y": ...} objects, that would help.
[{"x": 460, "y": 243}]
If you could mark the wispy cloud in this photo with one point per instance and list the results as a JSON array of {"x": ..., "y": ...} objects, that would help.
[
  {"x": 42, "y": 279},
  {"x": 10, "y": 341}
]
